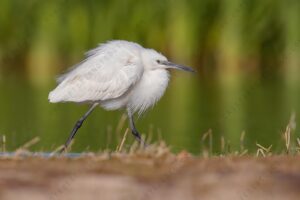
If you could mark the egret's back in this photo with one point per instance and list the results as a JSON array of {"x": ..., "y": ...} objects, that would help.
[{"x": 108, "y": 72}]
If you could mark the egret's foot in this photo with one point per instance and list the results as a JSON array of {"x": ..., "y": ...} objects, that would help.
[
  {"x": 138, "y": 137},
  {"x": 63, "y": 149}
]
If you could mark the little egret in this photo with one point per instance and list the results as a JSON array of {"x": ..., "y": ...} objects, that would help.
[{"x": 117, "y": 74}]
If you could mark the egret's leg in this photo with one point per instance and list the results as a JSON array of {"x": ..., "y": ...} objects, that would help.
[
  {"x": 134, "y": 131},
  {"x": 78, "y": 125}
]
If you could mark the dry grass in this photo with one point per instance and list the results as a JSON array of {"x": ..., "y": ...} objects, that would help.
[
  {"x": 291, "y": 144},
  {"x": 155, "y": 173},
  {"x": 134, "y": 172}
]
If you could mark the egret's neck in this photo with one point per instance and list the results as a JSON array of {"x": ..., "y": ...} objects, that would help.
[{"x": 145, "y": 59}]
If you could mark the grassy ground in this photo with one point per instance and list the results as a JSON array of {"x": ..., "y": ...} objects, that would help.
[{"x": 154, "y": 173}]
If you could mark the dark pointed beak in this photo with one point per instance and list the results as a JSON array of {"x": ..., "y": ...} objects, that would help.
[{"x": 176, "y": 66}]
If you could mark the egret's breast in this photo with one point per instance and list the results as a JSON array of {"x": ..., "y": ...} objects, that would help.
[{"x": 148, "y": 90}]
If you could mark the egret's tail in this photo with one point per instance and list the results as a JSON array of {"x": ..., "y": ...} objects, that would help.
[{"x": 54, "y": 97}]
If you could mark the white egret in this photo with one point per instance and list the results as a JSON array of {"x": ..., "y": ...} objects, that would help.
[{"x": 115, "y": 75}]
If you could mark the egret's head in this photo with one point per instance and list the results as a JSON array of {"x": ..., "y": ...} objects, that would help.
[{"x": 153, "y": 60}]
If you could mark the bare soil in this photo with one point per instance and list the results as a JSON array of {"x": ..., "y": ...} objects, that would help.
[{"x": 144, "y": 176}]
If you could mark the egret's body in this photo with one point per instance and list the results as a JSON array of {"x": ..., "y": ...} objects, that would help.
[{"x": 115, "y": 75}]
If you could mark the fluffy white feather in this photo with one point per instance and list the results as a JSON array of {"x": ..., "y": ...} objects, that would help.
[
  {"x": 107, "y": 73},
  {"x": 117, "y": 74}
]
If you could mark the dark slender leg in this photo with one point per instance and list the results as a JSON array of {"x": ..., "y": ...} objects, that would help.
[
  {"x": 78, "y": 125},
  {"x": 134, "y": 131}
]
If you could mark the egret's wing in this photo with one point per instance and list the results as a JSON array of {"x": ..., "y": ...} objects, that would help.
[{"x": 107, "y": 73}]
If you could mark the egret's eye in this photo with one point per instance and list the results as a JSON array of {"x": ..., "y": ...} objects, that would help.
[{"x": 158, "y": 61}]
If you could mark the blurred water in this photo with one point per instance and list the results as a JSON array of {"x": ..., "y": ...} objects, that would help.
[{"x": 189, "y": 108}]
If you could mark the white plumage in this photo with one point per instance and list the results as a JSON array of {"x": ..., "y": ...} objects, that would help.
[
  {"x": 114, "y": 74},
  {"x": 117, "y": 74},
  {"x": 107, "y": 73}
]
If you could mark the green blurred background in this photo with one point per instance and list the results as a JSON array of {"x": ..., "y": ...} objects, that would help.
[{"x": 246, "y": 52}]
